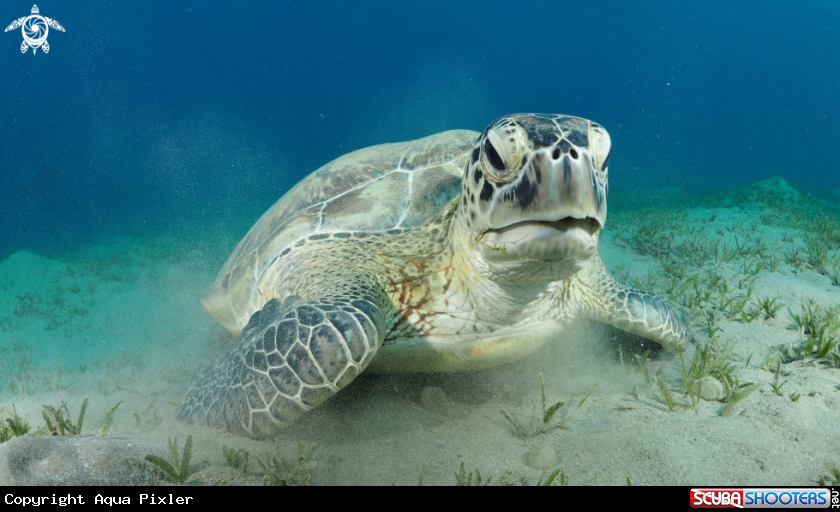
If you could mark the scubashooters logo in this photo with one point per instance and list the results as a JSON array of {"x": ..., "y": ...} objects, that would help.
[
  {"x": 35, "y": 29},
  {"x": 788, "y": 497}
]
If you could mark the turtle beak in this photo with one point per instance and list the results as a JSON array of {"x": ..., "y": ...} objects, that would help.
[
  {"x": 554, "y": 187},
  {"x": 553, "y": 212},
  {"x": 572, "y": 187}
]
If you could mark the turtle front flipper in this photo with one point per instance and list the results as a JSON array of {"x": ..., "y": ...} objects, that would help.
[
  {"x": 15, "y": 24},
  {"x": 286, "y": 361},
  {"x": 645, "y": 314}
]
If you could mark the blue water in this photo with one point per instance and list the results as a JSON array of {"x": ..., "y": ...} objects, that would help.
[
  {"x": 185, "y": 114},
  {"x": 136, "y": 153}
]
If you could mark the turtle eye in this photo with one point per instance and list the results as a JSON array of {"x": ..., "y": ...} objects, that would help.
[{"x": 493, "y": 156}]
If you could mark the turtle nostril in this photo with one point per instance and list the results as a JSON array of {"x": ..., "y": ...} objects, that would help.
[
  {"x": 573, "y": 153},
  {"x": 556, "y": 153}
]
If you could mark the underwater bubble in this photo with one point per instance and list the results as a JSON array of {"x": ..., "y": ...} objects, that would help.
[
  {"x": 708, "y": 388},
  {"x": 543, "y": 457},
  {"x": 433, "y": 399}
]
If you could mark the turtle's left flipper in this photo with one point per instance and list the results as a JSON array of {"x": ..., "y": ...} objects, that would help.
[
  {"x": 54, "y": 24},
  {"x": 645, "y": 314},
  {"x": 286, "y": 361}
]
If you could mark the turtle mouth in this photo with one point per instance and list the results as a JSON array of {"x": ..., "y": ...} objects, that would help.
[
  {"x": 589, "y": 225},
  {"x": 566, "y": 239}
]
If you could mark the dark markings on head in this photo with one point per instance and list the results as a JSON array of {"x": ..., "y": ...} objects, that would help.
[
  {"x": 567, "y": 173},
  {"x": 541, "y": 131},
  {"x": 606, "y": 161},
  {"x": 475, "y": 153},
  {"x": 486, "y": 191},
  {"x": 285, "y": 251},
  {"x": 578, "y": 138},
  {"x": 537, "y": 173},
  {"x": 342, "y": 235},
  {"x": 478, "y": 174},
  {"x": 596, "y": 191},
  {"x": 526, "y": 191},
  {"x": 564, "y": 146},
  {"x": 320, "y": 236}
]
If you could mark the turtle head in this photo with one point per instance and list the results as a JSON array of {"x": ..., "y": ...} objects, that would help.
[{"x": 534, "y": 197}]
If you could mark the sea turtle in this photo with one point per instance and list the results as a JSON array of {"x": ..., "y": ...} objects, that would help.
[
  {"x": 35, "y": 29},
  {"x": 459, "y": 251}
]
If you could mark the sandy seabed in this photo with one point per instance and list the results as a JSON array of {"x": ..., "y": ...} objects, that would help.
[{"x": 121, "y": 322}]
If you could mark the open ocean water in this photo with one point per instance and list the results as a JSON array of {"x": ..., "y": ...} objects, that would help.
[{"x": 140, "y": 148}]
